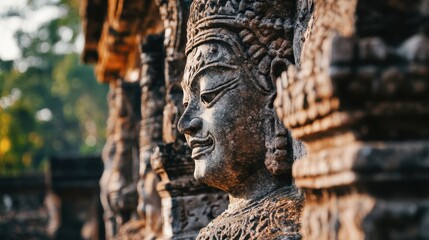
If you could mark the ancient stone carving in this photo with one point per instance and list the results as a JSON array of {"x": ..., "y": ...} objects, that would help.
[{"x": 235, "y": 50}]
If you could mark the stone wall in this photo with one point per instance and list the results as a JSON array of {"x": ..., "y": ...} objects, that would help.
[
  {"x": 22, "y": 211},
  {"x": 61, "y": 204}
]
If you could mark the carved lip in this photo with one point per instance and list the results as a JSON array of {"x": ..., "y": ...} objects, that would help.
[{"x": 201, "y": 146}]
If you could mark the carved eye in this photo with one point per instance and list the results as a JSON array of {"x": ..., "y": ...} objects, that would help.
[
  {"x": 210, "y": 97},
  {"x": 207, "y": 98}
]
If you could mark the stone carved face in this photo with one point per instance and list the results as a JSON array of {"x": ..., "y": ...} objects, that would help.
[{"x": 224, "y": 117}]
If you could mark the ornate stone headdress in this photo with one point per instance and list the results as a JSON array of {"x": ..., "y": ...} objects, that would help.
[{"x": 265, "y": 28}]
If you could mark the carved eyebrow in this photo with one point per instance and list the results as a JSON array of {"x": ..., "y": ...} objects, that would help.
[
  {"x": 213, "y": 65},
  {"x": 228, "y": 83}
]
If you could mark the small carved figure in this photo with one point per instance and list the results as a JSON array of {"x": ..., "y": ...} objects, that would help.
[{"x": 235, "y": 50}]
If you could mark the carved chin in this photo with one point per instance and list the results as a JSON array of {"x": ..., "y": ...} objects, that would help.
[
  {"x": 200, "y": 171},
  {"x": 212, "y": 173},
  {"x": 204, "y": 173}
]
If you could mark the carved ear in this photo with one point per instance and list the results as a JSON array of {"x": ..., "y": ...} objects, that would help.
[{"x": 278, "y": 65}]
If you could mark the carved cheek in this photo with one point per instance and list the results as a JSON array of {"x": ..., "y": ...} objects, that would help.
[{"x": 225, "y": 114}]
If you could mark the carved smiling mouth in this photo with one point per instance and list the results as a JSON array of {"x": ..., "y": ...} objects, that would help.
[{"x": 201, "y": 146}]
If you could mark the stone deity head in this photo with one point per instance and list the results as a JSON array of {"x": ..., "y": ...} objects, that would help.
[{"x": 235, "y": 51}]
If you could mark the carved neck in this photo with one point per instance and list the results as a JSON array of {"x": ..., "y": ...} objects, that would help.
[{"x": 253, "y": 188}]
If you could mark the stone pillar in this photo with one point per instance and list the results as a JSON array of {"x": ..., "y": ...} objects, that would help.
[
  {"x": 120, "y": 156},
  {"x": 152, "y": 105},
  {"x": 107, "y": 157},
  {"x": 359, "y": 100}
]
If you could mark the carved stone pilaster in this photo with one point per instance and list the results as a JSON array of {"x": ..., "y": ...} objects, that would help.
[
  {"x": 107, "y": 156},
  {"x": 120, "y": 156},
  {"x": 359, "y": 100},
  {"x": 152, "y": 104}
]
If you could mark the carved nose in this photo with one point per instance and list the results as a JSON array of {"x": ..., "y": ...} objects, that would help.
[{"x": 188, "y": 127}]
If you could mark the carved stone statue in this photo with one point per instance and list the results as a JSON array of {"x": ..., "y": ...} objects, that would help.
[{"x": 235, "y": 51}]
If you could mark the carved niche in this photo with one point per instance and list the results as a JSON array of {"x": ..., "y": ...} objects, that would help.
[{"x": 235, "y": 51}]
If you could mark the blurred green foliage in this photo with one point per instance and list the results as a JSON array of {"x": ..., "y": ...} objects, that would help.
[{"x": 51, "y": 104}]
